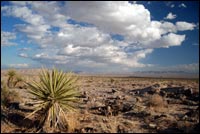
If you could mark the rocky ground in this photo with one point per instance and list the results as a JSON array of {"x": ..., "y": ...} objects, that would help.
[{"x": 119, "y": 104}]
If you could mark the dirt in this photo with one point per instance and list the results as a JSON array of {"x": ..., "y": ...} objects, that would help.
[{"x": 120, "y": 104}]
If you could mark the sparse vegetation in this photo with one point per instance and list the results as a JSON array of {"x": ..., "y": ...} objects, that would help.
[
  {"x": 156, "y": 101},
  {"x": 17, "y": 80},
  {"x": 112, "y": 80},
  {"x": 56, "y": 93},
  {"x": 13, "y": 78},
  {"x": 11, "y": 74},
  {"x": 127, "y": 106},
  {"x": 8, "y": 96},
  {"x": 72, "y": 121},
  {"x": 4, "y": 93}
]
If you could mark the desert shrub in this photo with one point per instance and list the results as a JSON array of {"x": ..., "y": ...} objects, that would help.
[
  {"x": 8, "y": 96},
  {"x": 56, "y": 93},
  {"x": 11, "y": 74},
  {"x": 18, "y": 79},
  {"x": 4, "y": 93},
  {"x": 13, "y": 78},
  {"x": 156, "y": 101},
  {"x": 112, "y": 80},
  {"x": 72, "y": 121}
]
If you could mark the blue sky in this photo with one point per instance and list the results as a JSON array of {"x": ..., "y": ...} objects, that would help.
[{"x": 101, "y": 36}]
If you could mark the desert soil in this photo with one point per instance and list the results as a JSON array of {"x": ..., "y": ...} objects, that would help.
[{"x": 118, "y": 104}]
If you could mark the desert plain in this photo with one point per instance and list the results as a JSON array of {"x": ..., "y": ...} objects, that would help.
[{"x": 114, "y": 104}]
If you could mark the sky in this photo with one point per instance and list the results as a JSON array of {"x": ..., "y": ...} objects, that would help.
[{"x": 101, "y": 37}]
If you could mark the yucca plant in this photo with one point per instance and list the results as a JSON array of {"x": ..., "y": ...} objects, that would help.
[
  {"x": 11, "y": 74},
  {"x": 57, "y": 92}
]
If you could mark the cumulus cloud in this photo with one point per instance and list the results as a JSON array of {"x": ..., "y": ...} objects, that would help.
[
  {"x": 170, "y": 16},
  {"x": 172, "y": 6},
  {"x": 188, "y": 68},
  {"x": 182, "y": 5},
  {"x": 166, "y": 41},
  {"x": 7, "y": 38},
  {"x": 23, "y": 65},
  {"x": 63, "y": 43},
  {"x": 103, "y": 14},
  {"x": 182, "y": 26},
  {"x": 195, "y": 44},
  {"x": 24, "y": 49},
  {"x": 23, "y": 55},
  {"x": 23, "y": 12},
  {"x": 197, "y": 25}
]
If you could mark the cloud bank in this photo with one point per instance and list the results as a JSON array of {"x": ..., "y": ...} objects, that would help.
[{"x": 89, "y": 42}]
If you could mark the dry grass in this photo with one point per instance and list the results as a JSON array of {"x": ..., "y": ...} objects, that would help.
[
  {"x": 8, "y": 96},
  {"x": 113, "y": 125},
  {"x": 72, "y": 121},
  {"x": 135, "y": 121},
  {"x": 110, "y": 126},
  {"x": 157, "y": 103},
  {"x": 156, "y": 100}
]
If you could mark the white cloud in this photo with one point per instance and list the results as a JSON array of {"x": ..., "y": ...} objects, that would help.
[
  {"x": 51, "y": 12},
  {"x": 170, "y": 16},
  {"x": 23, "y": 65},
  {"x": 7, "y": 38},
  {"x": 93, "y": 46},
  {"x": 182, "y": 5},
  {"x": 167, "y": 27},
  {"x": 182, "y": 26},
  {"x": 172, "y": 40},
  {"x": 35, "y": 32},
  {"x": 168, "y": 3},
  {"x": 23, "y": 12},
  {"x": 24, "y": 49},
  {"x": 112, "y": 17},
  {"x": 166, "y": 41},
  {"x": 195, "y": 44},
  {"x": 23, "y": 55},
  {"x": 197, "y": 25},
  {"x": 20, "y": 3},
  {"x": 172, "y": 5},
  {"x": 134, "y": 2},
  {"x": 190, "y": 68}
]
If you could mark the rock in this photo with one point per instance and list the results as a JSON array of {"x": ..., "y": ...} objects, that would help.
[
  {"x": 153, "y": 126},
  {"x": 120, "y": 129},
  {"x": 119, "y": 97},
  {"x": 126, "y": 107},
  {"x": 159, "y": 116},
  {"x": 163, "y": 93},
  {"x": 83, "y": 130},
  {"x": 108, "y": 111},
  {"x": 14, "y": 105},
  {"x": 105, "y": 120},
  {"x": 188, "y": 92},
  {"x": 138, "y": 99},
  {"x": 193, "y": 113},
  {"x": 156, "y": 85},
  {"x": 114, "y": 90},
  {"x": 133, "y": 85},
  {"x": 153, "y": 90},
  {"x": 137, "y": 92}
]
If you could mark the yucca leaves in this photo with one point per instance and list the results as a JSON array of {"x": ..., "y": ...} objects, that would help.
[{"x": 56, "y": 92}]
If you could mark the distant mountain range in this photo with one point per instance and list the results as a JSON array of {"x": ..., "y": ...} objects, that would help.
[
  {"x": 159, "y": 74},
  {"x": 162, "y": 72}
]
